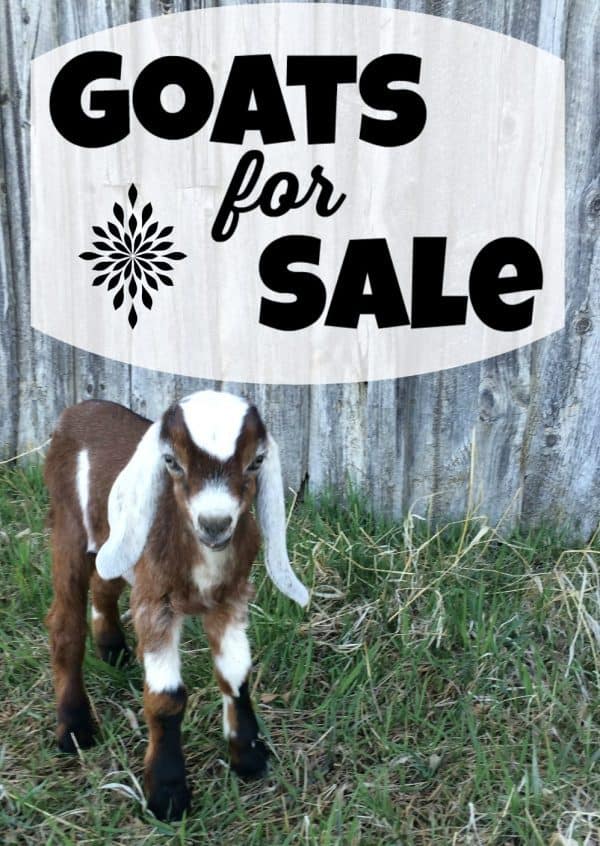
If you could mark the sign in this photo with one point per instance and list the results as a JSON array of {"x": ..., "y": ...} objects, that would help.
[{"x": 297, "y": 193}]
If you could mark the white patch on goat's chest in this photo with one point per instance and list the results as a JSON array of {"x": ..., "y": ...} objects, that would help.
[
  {"x": 210, "y": 572},
  {"x": 214, "y": 421}
]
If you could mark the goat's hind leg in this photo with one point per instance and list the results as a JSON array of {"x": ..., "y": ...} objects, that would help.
[
  {"x": 106, "y": 622},
  {"x": 67, "y": 625}
]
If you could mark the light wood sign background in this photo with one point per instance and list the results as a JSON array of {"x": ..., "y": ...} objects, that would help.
[{"x": 517, "y": 436}]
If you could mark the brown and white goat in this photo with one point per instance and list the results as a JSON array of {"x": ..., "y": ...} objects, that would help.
[{"x": 165, "y": 506}]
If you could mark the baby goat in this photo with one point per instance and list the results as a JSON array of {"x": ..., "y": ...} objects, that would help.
[{"x": 165, "y": 506}]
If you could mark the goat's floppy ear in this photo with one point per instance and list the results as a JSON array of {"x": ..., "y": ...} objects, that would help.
[
  {"x": 132, "y": 506},
  {"x": 270, "y": 506}
]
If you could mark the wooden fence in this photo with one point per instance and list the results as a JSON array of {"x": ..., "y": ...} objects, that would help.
[{"x": 517, "y": 437}]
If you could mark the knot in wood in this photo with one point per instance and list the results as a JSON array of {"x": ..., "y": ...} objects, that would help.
[
  {"x": 594, "y": 205},
  {"x": 583, "y": 325}
]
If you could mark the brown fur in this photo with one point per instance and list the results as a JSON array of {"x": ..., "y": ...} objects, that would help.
[
  {"x": 107, "y": 631},
  {"x": 110, "y": 433},
  {"x": 164, "y": 588}
]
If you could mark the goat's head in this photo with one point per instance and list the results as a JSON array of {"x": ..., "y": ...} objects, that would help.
[
  {"x": 215, "y": 451},
  {"x": 213, "y": 446}
]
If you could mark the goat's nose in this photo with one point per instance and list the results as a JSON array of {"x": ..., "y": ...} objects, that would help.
[{"x": 214, "y": 526}]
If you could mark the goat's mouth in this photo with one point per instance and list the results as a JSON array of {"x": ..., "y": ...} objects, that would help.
[{"x": 217, "y": 544}]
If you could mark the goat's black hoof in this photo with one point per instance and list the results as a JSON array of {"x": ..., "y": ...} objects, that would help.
[
  {"x": 251, "y": 760},
  {"x": 169, "y": 802},
  {"x": 114, "y": 651},
  {"x": 76, "y": 729}
]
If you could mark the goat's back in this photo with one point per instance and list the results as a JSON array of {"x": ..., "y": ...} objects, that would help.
[{"x": 91, "y": 444}]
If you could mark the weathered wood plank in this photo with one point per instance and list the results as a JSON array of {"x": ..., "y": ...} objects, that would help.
[
  {"x": 562, "y": 473},
  {"x": 533, "y": 416},
  {"x": 43, "y": 382}
]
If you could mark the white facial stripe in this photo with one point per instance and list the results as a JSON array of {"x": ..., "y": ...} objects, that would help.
[
  {"x": 227, "y": 730},
  {"x": 214, "y": 502},
  {"x": 96, "y": 615},
  {"x": 214, "y": 421},
  {"x": 234, "y": 662},
  {"x": 83, "y": 493},
  {"x": 162, "y": 667}
]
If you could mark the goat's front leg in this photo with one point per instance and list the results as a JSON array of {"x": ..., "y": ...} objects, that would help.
[
  {"x": 165, "y": 697},
  {"x": 226, "y": 632}
]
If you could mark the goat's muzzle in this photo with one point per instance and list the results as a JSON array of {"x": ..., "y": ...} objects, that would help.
[{"x": 215, "y": 533}]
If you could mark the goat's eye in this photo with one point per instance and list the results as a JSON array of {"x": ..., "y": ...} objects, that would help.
[
  {"x": 252, "y": 468},
  {"x": 172, "y": 465}
]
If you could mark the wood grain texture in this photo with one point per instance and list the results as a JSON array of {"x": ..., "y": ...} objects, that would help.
[{"x": 516, "y": 437}]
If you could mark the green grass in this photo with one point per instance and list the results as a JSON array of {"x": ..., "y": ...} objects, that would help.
[{"x": 442, "y": 688}]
